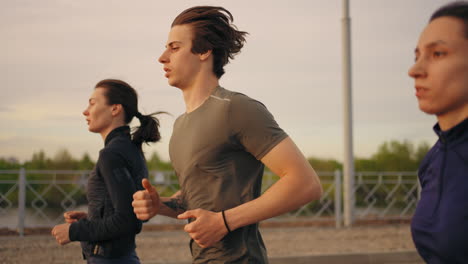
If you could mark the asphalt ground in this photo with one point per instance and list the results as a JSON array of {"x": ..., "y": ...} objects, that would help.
[{"x": 383, "y": 244}]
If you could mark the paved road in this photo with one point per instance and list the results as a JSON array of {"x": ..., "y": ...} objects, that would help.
[{"x": 388, "y": 244}]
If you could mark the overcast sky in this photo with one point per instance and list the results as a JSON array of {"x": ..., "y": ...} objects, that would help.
[{"x": 52, "y": 53}]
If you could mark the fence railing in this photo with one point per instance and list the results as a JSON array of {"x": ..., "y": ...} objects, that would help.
[
  {"x": 38, "y": 198},
  {"x": 390, "y": 195}
]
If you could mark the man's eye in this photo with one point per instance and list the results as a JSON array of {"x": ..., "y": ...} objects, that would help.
[{"x": 438, "y": 54}]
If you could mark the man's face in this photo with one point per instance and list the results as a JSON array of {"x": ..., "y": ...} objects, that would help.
[
  {"x": 441, "y": 68},
  {"x": 180, "y": 64}
]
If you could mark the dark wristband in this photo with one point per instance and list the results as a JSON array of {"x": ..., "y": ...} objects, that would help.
[{"x": 225, "y": 223}]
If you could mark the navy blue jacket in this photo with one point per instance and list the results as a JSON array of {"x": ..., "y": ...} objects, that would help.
[
  {"x": 111, "y": 226},
  {"x": 440, "y": 223}
]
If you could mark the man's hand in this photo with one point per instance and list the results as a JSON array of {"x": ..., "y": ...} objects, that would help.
[
  {"x": 74, "y": 216},
  {"x": 146, "y": 203},
  {"x": 208, "y": 227},
  {"x": 60, "y": 232}
]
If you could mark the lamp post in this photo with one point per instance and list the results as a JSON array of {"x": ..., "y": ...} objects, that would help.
[{"x": 348, "y": 164}]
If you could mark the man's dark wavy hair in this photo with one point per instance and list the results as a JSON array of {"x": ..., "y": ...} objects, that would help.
[{"x": 213, "y": 30}]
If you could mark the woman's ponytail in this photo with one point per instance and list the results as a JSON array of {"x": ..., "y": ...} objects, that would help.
[{"x": 148, "y": 131}]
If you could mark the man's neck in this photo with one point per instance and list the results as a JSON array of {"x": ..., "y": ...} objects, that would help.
[{"x": 196, "y": 94}]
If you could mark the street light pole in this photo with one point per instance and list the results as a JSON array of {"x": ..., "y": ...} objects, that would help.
[{"x": 348, "y": 164}]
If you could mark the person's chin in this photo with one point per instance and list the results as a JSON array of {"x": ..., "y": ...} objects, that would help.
[
  {"x": 172, "y": 83},
  {"x": 91, "y": 129},
  {"x": 426, "y": 109}
]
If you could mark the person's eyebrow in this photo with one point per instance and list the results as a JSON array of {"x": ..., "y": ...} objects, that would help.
[
  {"x": 431, "y": 45},
  {"x": 172, "y": 43},
  {"x": 435, "y": 43}
]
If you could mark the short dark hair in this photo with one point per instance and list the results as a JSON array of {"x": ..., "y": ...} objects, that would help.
[
  {"x": 458, "y": 9},
  {"x": 213, "y": 30},
  {"x": 120, "y": 92}
]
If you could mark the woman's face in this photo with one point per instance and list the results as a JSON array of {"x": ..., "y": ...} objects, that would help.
[
  {"x": 440, "y": 71},
  {"x": 98, "y": 113}
]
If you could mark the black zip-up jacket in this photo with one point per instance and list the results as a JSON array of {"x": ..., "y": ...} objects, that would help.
[{"x": 111, "y": 226}]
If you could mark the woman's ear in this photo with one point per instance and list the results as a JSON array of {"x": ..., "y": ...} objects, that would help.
[{"x": 116, "y": 109}]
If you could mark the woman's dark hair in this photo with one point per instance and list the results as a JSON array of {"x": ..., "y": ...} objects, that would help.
[
  {"x": 457, "y": 9},
  {"x": 120, "y": 92},
  {"x": 212, "y": 30}
]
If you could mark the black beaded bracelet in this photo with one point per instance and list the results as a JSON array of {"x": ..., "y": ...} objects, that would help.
[{"x": 225, "y": 223}]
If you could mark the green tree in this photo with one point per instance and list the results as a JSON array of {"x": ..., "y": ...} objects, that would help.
[
  {"x": 362, "y": 164},
  {"x": 86, "y": 163},
  {"x": 63, "y": 160},
  {"x": 155, "y": 163},
  {"x": 325, "y": 164},
  {"x": 395, "y": 156},
  {"x": 9, "y": 164},
  {"x": 421, "y": 152},
  {"x": 39, "y": 161}
]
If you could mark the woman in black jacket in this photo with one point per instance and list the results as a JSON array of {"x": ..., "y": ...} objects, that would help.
[{"x": 107, "y": 232}]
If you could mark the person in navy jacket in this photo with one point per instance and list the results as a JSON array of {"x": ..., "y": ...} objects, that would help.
[{"x": 440, "y": 224}]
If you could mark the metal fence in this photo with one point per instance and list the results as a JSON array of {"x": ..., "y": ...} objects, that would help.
[{"x": 38, "y": 198}]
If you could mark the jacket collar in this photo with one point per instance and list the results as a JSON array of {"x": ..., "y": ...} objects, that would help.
[
  {"x": 453, "y": 134},
  {"x": 119, "y": 131}
]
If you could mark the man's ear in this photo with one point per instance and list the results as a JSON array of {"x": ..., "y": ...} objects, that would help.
[
  {"x": 116, "y": 109},
  {"x": 206, "y": 55}
]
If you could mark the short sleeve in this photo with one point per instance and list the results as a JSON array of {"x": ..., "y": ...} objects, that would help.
[{"x": 253, "y": 126}]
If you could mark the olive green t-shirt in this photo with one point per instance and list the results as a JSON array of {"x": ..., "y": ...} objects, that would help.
[{"x": 216, "y": 151}]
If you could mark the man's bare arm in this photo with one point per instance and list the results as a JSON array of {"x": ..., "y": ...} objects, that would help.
[
  {"x": 172, "y": 206},
  {"x": 298, "y": 185}
]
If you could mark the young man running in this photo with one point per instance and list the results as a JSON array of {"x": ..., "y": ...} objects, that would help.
[{"x": 219, "y": 148}]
